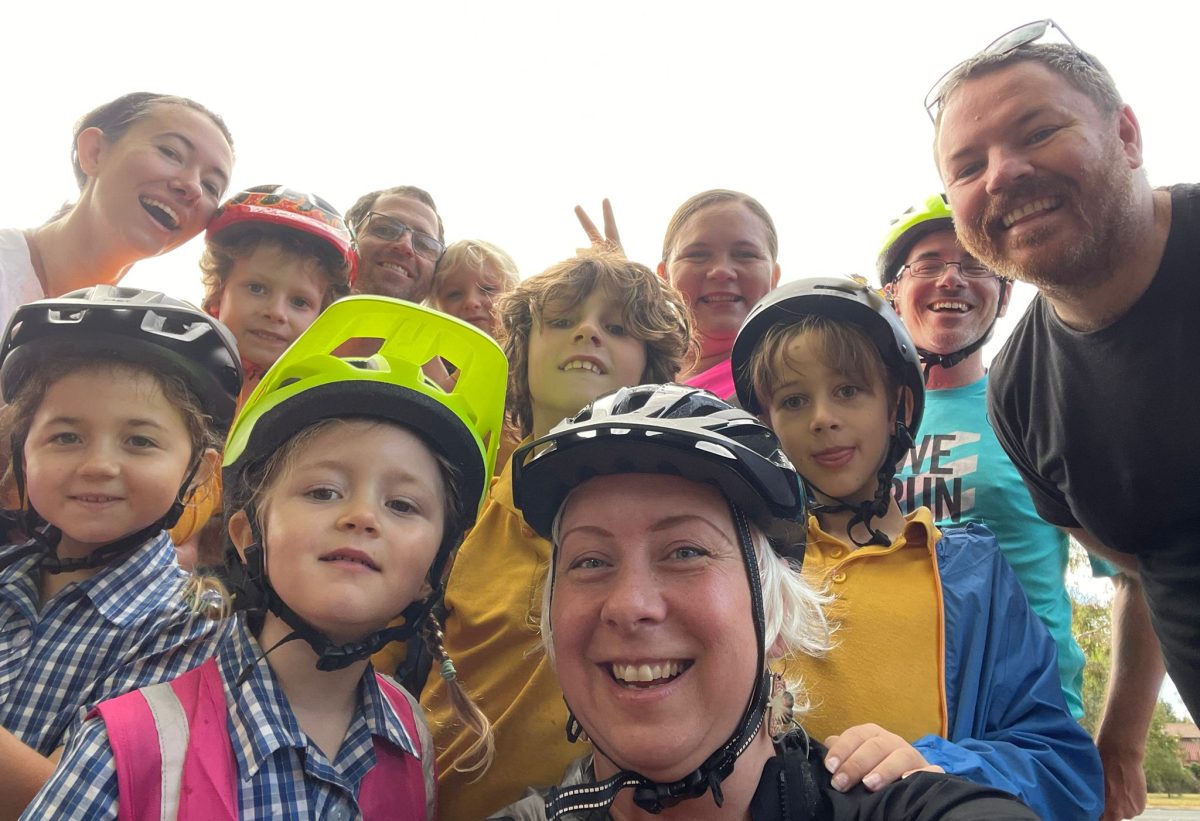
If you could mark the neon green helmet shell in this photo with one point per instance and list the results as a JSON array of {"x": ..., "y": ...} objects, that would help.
[
  {"x": 933, "y": 214},
  {"x": 313, "y": 380}
]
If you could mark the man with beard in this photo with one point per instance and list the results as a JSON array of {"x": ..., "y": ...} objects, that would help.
[
  {"x": 1091, "y": 396},
  {"x": 400, "y": 240}
]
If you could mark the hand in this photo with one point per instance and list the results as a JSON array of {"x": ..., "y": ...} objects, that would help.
[
  {"x": 870, "y": 754},
  {"x": 1124, "y": 783},
  {"x": 611, "y": 239}
]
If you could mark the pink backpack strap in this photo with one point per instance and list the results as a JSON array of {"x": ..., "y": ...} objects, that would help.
[
  {"x": 401, "y": 786},
  {"x": 170, "y": 764}
]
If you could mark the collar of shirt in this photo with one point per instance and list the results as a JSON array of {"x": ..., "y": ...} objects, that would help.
[
  {"x": 262, "y": 720},
  {"x": 126, "y": 593}
]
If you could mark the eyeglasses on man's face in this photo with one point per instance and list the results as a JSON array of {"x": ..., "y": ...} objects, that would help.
[
  {"x": 933, "y": 267},
  {"x": 389, "y": 229}
]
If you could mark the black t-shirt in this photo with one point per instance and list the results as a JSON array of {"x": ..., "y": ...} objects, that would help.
[{"x": 1103, "y": 426}]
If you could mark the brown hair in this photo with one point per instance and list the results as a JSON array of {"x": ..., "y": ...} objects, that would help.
[
  {"x": 240, "y": 241},
  {"x": 703, "y": 200},
  {"x": 842, "y": 347},
  {"x": 1083, "y": 71},
  {"x": 363, "y": 205},
  {"x": 651, "y": 309},
  {"x": 116, "y": 117}
]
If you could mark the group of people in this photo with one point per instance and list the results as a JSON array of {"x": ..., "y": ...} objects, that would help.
[{"x": 384, "y": 530}]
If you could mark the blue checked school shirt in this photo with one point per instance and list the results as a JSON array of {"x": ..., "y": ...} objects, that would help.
[
  {"x": 125, "y": 627},
  {"x": 281, "y": 774}
]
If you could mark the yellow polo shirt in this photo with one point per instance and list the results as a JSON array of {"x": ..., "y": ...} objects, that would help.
[{"x": 888, "y": 665}]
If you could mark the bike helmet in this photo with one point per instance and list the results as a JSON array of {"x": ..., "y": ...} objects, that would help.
[
  {"x": 917, "y": 222},
  {"x": 147, "y": 328},
  {"x": 311, "y": 382},
  {"x": 847, "y": 301},
  {"x": 678, "y": 431},
  {"x": 279, "y": 205}
]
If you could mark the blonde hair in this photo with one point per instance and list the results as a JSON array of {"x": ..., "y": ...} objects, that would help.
[
  {"x": 703, "y": 200},
  {"x": 478, "y": 256},
  {"x": 842, "y": 347},
  {"x": 652, "y": 311}
]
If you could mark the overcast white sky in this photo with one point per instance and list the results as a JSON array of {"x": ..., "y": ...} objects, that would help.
[{"x": 510, "y": 113}]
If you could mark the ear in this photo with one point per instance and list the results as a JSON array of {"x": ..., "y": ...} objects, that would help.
[
  {"x": 775, "y": 276},
  {"x": 1130, "y": 133},
  {"x": 662, "y": 271},
  {"x": 777, "y": 649},
  {"x": 204, "y": 472},
  {"x": 889, "y": 293},
  {"x": 1006, "y": 289},
  {"x": 89, "y": 145},
  {"x": 240, "y": 533},
  {"x": 905, "y": 400}
]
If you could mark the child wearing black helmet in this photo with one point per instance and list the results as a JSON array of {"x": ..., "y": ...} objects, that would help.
[
  {"x": 940, "y": 660},
  {"x": 115, "y": 401},
  {"x": 348, "y": 481}
]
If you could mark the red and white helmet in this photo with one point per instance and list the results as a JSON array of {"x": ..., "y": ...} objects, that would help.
[{"x": 280, "y": 205}]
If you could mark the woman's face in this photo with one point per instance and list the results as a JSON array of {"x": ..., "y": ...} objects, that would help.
[
  {"x": 158, "y": 184},
  {"x": 721, "y": 262},
  {"x": 653, "y": 633}
]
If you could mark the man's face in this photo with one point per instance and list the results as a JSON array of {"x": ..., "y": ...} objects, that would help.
[
  {"x": 1040, "y": 180},
  {"x": 946, "y": 313},
  {"x": 395, "y": 267}
]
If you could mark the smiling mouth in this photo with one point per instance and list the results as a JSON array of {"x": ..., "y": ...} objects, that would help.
[
  {"x": 1029, "y": 209},
  {"x": 950, "y": 305},
  {"x": 162, "y": 213},
  {"x": 270, "y": 337},
  {"x": 95, "y": 498},
  {"x": 397, "y": 269},
  {"x": 642, "y": 676},
  {"x": 714, "y": 299},
  {"x": 582, "y": 365},
  {"x": 352, "y": 557}
]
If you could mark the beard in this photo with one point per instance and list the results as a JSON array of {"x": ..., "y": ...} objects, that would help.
[{"x": 1047, "y": 257}]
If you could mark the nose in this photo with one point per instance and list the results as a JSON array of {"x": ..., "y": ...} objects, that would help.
[
  {"x": 99, "y": 462},
  {"x": 187, "y": 183},
  {"x": 588, "y": 330},
  {"x": 824, "y": 415},
  {"x": 476, "y": 299},
  {"x": 1006, "y": 166},
  {"x": 274, "y": 307},
  {"x": 635, "y": 599},
  {"x": 404, "y": 242},
  {"x": 358, "y": 517},
  {"x": 723, "y": 269},
  {"x": 952, "y": 277}
]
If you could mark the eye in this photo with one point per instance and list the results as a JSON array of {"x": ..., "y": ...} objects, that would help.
[
  {"x": 586, "y": 563},
  {"x": 401, "y": 506},
  {"x": 452, "y": 296},
  {"x": 747, "y": 254},
  {"x": 488, "y": 288},
  {"x": 967, "y": 171},
  {"x": 212, "y": 189},
  {"x": 169, "y": 152},
  {"x": 688, "y": 551},
  {"x": 322, "y": 493},
  {"x": 65, "y": 438},
  {"x": 301, "y": 302},
  {"x": 794, "y": 402},
  {"x": 140, "y": 442},
  {"x": 1042, "y": 134},
  {"x": 256, "y": 288},
  {"x": 559, "y": 322},
  {"x": 615, "y": 329},
  {"x": 848, "y": 391}
]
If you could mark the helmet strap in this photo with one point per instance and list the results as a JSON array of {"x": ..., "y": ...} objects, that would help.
[
  {"x": 655, "y": 796},
  {"x": 946, "y": 361}
]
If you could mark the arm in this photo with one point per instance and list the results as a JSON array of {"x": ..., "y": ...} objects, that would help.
[
  {"x": 1009, "y": 727},
  {"x": 84, "y": 786},
  {"x": 25, "y": 771}
]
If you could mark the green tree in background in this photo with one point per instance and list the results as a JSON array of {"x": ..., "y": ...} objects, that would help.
[{"x": 1092, "y": 625}]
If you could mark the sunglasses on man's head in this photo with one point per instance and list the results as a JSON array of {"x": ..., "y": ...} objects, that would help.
[{"x": 1009, "y": 41}]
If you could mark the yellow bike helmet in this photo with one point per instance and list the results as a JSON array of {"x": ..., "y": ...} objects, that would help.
[{"x": 313, "y": 380}]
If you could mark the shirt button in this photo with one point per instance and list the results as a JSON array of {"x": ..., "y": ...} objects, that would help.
[
  {"x": 838, "y": 578},
  {"x": 22, "y": 637}
]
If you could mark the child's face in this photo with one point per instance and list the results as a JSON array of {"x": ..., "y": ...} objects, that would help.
[
  {"x": 352, "y": 527},
  {"x": 270, "y": 297},
  {"x": 833, "y": 427},
  {"x": 467, "y": 293},
  {"x": 106, "y": 455},
  {"x": 579, "y": 353},
  {"x": 722, "y": 264}
]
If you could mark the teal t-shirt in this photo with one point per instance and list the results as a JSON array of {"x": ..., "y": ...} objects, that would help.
[{"x": 959, "y": 471}]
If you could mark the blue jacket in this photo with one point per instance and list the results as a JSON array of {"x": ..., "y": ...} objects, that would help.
[{"x": 1010, "y": 728}]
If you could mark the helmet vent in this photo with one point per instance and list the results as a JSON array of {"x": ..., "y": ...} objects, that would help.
[
  {"x": 358, "y": 346},
  {"x": 717, "y": 449}
]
